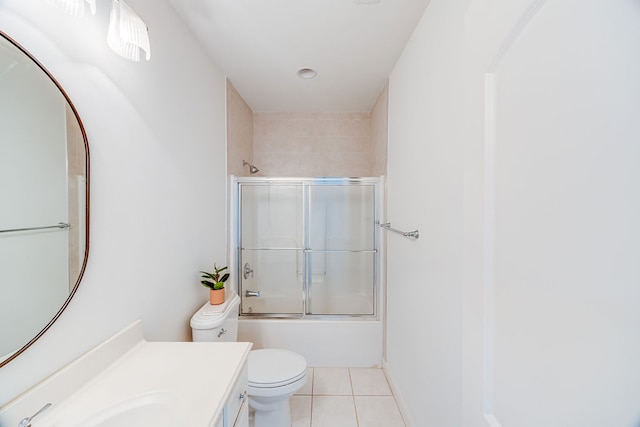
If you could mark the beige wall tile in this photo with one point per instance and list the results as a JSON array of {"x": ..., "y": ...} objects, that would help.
[
  {"x": 323, "y": 144},
  {"x": 306, "y": 144},
  {"x": 240, "y": 129},
  {"x": 379, "y": 133}
]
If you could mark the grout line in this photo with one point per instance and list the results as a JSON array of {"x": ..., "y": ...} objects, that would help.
[
  {"x": 355, "y": 409},
  {"x": 313, "y": 374},
  {"x": 350, "y": 380},
  {"x": 353, "y": 398}
]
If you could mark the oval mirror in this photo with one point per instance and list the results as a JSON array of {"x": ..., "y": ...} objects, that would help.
[{"x": 44, "y": 188}]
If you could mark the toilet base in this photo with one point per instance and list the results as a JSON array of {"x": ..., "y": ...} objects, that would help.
[{"x": 270, "y": 412}]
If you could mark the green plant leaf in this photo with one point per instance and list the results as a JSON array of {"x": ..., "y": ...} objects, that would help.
[
  {"x": 214, "y": 280},
  {"x": 207, "y": 284}
]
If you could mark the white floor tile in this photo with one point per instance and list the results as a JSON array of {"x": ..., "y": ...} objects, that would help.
[
  {"x": 331, "y": 381},
  {"x": 308, "y": 387},
  {"x": 333, "y": 411},
  {"x": 369, "y": 382},
  {"x": 344, "y": 397},
  {"x": 300, "y": 411},
  {"x": 378, "y": 411}
]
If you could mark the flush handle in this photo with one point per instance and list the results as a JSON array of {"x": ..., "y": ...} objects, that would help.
[
  {"x": 247, "y": 271},
  {"x": 248, "y": 294},
  {"x": 222, "y": 332}
]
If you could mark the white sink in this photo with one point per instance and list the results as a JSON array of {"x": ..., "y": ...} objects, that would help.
[
  {"x": 127, "y": 381},
  {"x": 152, "y": 409}
]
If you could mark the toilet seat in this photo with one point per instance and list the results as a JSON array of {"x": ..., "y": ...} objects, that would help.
[{"x": 270, "y": 368}]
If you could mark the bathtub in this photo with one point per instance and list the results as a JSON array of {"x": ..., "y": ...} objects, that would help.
[
  {"x": 334, "y": 342},
  {"x": 325, "y": 340}
]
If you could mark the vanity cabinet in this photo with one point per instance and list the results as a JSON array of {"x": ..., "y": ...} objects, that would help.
[{"x": 236, "y": 410}]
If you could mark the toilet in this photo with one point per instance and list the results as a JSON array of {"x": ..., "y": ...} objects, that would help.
[{"x": 274, "y": 374}]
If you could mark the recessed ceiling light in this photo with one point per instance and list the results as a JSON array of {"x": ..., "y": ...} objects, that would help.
[{"x": 307, "y": 73}]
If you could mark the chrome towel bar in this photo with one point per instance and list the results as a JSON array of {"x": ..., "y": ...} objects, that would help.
[
  {"x": 59, "y": 225},
  {"x": 413, "y": 234}
]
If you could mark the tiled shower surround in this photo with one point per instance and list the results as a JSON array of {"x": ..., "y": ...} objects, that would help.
[
  {"x": 322, "y": 144},
  {"x": 307, "y": 144}
]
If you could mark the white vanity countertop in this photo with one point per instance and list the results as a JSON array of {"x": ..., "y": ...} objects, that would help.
[{"x": 193, "y": 379}]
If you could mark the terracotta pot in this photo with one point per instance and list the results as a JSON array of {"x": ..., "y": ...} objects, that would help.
[{"x": 216, "y": 297}]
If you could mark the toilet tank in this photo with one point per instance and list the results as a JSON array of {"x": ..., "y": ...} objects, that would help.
[{"x": 219, "y": 323}]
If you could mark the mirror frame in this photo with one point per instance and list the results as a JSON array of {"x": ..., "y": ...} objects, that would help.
[{"x": 86, "y": 247}]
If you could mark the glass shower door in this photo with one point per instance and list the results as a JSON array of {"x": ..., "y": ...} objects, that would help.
[
  {"x": 342, "y": 249},
  {"x": 271, "y": 248},
  {"x": 308, "y": 246}
]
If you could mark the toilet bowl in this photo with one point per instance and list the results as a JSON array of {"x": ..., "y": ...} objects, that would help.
[{"x": 274, "y": 374}]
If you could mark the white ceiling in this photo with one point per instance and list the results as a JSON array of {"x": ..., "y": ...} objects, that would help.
[{"x": 261, "y": 44}]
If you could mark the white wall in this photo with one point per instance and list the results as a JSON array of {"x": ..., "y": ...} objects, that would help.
[
  {"x": 513, "y": 148},
  {"x": 424, "y": 277},
  {"x": 157, "y": 136},
  {"x": 551, "y": 276}
]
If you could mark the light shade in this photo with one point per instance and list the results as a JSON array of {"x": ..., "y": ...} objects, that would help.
[
  {"x": 74, "y": 7},
  {"x": 128, "y": 34}
]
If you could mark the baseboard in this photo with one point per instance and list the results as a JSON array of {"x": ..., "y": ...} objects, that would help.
[{"x": 404, "y": 410}]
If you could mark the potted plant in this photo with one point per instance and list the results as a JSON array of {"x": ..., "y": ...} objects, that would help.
[{"x": 215, "y": 282}]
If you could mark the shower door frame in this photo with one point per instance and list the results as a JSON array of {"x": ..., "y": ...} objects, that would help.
[{"x": 306, "y": 286}]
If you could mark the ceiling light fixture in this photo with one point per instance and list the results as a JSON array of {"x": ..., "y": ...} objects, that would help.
[
  {"x": 74, "y": 7},
  {"x": 128, "y": 34},
  {"x": 307, "y": 73}
]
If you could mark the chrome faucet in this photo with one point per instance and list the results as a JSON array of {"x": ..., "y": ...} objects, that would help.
[{"x": 26, "y": 422}]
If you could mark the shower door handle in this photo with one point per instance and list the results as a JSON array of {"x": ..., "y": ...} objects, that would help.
[{"x": 248, "y": 294}]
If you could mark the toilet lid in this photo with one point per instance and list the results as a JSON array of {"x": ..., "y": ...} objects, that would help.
[{"x": 275, "y": 367}]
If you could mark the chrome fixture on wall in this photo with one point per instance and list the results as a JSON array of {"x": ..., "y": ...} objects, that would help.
[
  {"x": 252, "y": 168},
  {"x": 413, "y": 234}
]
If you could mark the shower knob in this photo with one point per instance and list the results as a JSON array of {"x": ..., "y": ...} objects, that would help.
[{"x": 247, "y": 271}]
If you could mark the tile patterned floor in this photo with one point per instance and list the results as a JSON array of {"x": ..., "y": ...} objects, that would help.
[{"x": 345, "y": 397}]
